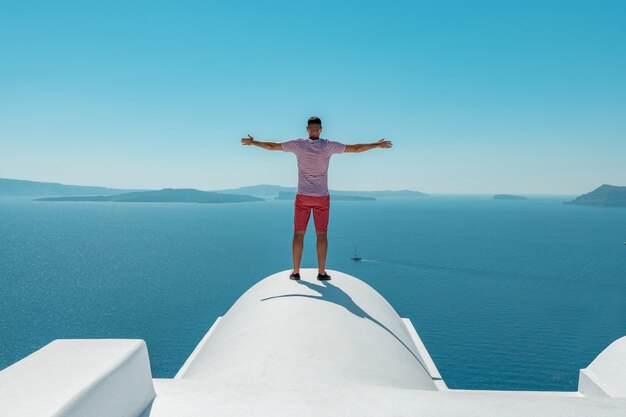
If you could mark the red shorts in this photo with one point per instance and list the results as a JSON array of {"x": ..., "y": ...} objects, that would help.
[{"x": 303, "y": 206}]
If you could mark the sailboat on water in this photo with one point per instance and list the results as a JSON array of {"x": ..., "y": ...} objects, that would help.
[{"x": 356, "y": 257}]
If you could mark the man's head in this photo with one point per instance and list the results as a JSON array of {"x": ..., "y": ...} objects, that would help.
[{"x": 314, "y": 127}]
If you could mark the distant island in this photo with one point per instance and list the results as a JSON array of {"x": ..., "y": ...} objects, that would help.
[
  {"x": 603, "y": 196},
  {"x": 266, "y": 191},
  {"x": 509, "y": 197},
  {"x": 11, "y": 187},
  {"x": 273, "y": 191},
  {"x": 167, "y": 195},
  {"x": 290, "y": 195}
]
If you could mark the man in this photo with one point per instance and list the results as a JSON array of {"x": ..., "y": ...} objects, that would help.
[{"x": 313, "y": 155}]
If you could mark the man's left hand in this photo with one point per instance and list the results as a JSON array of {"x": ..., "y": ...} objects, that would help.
[{"x": 384, "y": 143}]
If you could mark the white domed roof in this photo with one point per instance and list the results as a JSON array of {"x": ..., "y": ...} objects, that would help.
[{"x": 285, "y": 333}]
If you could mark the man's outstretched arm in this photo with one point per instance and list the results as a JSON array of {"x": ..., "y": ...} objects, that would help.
[
  {"x": 362, "y": 147},
  {"x": 270, "y": 146}
]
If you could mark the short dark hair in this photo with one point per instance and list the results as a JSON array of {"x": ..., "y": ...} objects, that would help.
[{"x": 314, "y": 120}]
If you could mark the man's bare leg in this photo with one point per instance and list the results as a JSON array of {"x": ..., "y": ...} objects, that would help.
[
  {"x": 322, "y": 248},
  {"x": 297, "y": 246}
]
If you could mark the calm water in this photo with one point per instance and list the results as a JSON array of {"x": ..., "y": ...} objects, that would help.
[{"x": 504, "y": 294}]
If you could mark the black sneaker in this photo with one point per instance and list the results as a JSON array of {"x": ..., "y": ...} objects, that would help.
[
  {"x": 295, "y": 276},
  {"x": 323, "y": 277}
]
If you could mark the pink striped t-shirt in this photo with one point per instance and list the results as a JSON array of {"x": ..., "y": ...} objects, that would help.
[{"x": 313, "y": 157}]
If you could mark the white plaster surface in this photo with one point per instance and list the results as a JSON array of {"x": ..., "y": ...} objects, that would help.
[
  {"x": 198, "y": 348},
  {"x": 428, "y": 362},
  {"x": 194, "y": 398},
  {"x": 606, "y": 375},
  {"x": 283, "y": 334},
  {"x": 79, "y": 378}
]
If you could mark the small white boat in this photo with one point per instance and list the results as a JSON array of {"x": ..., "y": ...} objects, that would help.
[{"x": 356, "y": 257}]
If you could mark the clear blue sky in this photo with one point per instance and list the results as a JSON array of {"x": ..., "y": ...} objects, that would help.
[{"x": 477, "y": 96}]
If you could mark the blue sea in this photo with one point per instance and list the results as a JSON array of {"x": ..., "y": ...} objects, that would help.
[{"x": 506, "y": 295}]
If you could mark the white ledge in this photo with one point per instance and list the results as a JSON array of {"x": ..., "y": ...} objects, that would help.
[{"x": 79, "y": 378}]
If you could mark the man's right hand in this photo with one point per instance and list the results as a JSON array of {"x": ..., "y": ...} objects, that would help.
[{"x": 247, "y": 141}]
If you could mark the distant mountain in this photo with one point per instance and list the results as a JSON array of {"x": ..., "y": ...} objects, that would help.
[
  {"x": 290, "y": 195},
  {"x": 261, "y": 190},
  {"x": 167, "y": 195},
  {"x": 272, "y": 191},
  {"x": 509, "y": 197},
  {"x": 605, "y": 196},
  {"x": 10, "y": 187}
]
